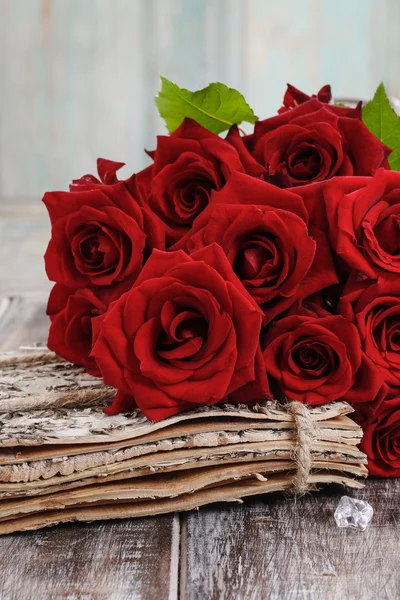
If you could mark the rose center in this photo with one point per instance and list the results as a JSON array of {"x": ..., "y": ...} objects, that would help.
[
  {"x": 86, "y": 324},
  {"x": 96, "y": 249},
  {"x": 304, "y": 163},
  {"x": 183, "y": 337},
  {"x": 389, "y": 333},
  {"x": 192, "y": 198},
  {"x": 313, "y": 358},
  {"x": 89, "y": 250},
  {"x": 257, "y": 257},
  {"x": 387, "y": 234},
  {"x": 195, "y": 327},
  {"x": 395, "y": 341}
]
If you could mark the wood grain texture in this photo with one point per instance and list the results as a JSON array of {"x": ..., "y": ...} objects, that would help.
[
  {"x": 23, "y": 321},
  {"x": 292, "y": 549},
  {"x": 122, "y": 560},
  {"x": 347, "y": 44},
  {"x": 79, "y": 77},
  {"x": 24, "y": 235}
]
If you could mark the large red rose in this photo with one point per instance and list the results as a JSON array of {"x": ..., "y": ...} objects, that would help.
[
  {"x": 316, "y": 357},
  {"x": 188, "y": 165},
  {"x": 187, "y": 333},
  {"x": 381, "y": 440},
  {"x": 100, "y": 237},
  {"x": 365, "y": 223},
  {"x": 375, "y": 310},
  {"x": 71, "y": 315},
  {"x": 313, "y": 143},
  {"x": 264, "y": 233}
]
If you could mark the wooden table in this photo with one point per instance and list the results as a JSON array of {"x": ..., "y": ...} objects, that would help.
[{"x": 276, "y": 547}]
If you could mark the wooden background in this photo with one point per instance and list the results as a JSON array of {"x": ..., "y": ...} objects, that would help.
[{"x": 78, "y": 76}]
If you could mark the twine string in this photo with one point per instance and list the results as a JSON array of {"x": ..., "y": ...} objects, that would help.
[{"x": 305, "y": 429}]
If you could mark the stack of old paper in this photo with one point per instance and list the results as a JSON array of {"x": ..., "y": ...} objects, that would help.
[{"x": 62, "y": 459}]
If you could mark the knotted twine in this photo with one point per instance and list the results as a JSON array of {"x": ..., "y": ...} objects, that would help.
[
  {"x": 305, "y": 431},
  {"x": 305, "y": 428}
]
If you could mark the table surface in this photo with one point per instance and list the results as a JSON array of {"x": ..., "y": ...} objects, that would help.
[{"x": 276, "y": 547}]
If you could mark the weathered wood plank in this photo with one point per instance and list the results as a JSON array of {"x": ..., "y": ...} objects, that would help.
[
  {"x": 24, "y": 235},
  {"x": 122, "y": 560},
  {"x": 292, "y": 549},
  {"x": 23, "y": 322},
  {"x": 129, "y": 559}
]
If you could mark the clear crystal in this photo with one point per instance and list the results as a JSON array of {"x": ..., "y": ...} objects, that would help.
[{"x": 355, "y": 513}]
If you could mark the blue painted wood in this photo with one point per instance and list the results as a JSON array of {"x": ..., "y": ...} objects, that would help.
[
  {"x": 78, "y": 77},
  {"x": 314, "y": 42}
]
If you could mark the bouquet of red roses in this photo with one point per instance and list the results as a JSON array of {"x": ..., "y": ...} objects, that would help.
[{"x": 246, "y": 267}]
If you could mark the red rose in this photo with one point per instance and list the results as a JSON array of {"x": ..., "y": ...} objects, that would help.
[
  {"x": 365, "y": 224},
  {"x": 316, "y": 357},
  {"x": 381, "y": 440},
  {"x": 70, "y": 334},
  {"x": 107, "y": 171},
  {"x": 100, "y": 237},
  {"x": 312, "y": 143},
  {"x": 293, "y": 97},
  {"x": 366, "y": 411},
  {"x": 375, "y": 310},
  {"x": 187, "y": 333},
  {"x": 264, "y": 233},
  {"x": 188, "y": 165},
  {"x": 250, "y": 165},
  {"x": 314, "y": 199}
]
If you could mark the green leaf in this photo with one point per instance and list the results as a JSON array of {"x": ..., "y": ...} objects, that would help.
[
  {"x": 382, "y": 121},
  {"x": 216, "y": 107}
]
